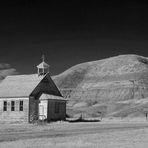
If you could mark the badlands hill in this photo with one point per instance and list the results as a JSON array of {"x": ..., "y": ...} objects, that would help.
[{"x": 116, "y": 86}]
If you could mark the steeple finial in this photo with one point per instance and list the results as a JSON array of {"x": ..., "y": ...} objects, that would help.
[{"x": 43, "y": 58}]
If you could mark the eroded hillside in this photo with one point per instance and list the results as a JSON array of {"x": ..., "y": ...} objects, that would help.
[{"x": 103, "y": 86}]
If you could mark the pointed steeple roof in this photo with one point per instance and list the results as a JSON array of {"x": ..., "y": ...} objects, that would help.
[{"x": 43, "y": 64}]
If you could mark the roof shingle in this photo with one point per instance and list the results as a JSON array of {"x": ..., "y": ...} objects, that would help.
[{"x": 19, "y": 85}]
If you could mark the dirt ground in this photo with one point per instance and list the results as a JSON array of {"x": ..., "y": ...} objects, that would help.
[{"x": 105, "y": 134}]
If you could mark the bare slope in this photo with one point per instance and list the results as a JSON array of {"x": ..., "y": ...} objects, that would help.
[{"x": 102, "y": 86}]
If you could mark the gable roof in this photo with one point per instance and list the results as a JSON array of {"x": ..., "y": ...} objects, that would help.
[{"x": 20, "y": 85}]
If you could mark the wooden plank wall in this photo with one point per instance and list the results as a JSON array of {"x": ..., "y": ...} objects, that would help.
[
  {"x": 14, "y": 116},
  {"x": 51, "y": 110},
  {"x": 33, "y": 109}
]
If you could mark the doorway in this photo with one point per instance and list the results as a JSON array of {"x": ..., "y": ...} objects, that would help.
[{"x": 43, "y": 110}]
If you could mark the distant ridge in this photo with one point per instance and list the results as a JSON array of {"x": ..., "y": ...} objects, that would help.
[{"x": 105, "y": 85}]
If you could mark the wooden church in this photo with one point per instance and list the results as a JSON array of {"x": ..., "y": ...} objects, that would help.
[{"x": 27, "y": 98}]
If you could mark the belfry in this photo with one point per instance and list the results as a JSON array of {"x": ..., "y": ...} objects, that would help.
[{"x": 43, "y": 67}]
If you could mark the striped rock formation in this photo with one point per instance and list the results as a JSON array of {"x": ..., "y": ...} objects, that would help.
[{"x": 116, "y": 86}]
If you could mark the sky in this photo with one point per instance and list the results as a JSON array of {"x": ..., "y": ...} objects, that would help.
[{"x": 69, "y": 32}]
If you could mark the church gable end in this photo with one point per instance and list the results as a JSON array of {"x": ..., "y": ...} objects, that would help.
[{"x": 47, "y": 86}]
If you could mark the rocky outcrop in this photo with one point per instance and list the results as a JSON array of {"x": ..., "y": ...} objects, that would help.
[{"x": 103, "y": 86}]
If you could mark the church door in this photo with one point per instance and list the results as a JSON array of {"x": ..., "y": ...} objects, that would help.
[{"x": 43, "y": 110}]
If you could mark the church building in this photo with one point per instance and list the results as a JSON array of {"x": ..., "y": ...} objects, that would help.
[{"x": 27, "y": 98}]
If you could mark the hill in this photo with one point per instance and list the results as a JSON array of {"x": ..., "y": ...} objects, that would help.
[{"x": 110, "y": 86}]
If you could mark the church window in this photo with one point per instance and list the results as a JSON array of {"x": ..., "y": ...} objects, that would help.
[
  {"x": 5, "y": 106},
  {"x": 12, "y": 105},
  {"x": 21, "y": 105}
]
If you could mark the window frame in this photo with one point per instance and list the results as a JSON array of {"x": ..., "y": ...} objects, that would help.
[
  {"x": 21, "y": 105},
  {"x": 5, "y": 104},
  {"x": 57, "y": 107},
  {"x": 12, "y": 105}
]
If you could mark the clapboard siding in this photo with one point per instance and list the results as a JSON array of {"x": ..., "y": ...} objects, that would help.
[{"x": 17, "y": 115}]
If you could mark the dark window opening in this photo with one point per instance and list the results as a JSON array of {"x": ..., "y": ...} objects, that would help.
[
  {"x": 5, "y": 106},
  {"x": 12, "y": 106},
  {"x": 21, "y": 105},
  {"x": 57, "y": 107}
]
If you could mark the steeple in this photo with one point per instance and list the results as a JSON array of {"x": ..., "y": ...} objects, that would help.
[{"x": 43, "y": 67}]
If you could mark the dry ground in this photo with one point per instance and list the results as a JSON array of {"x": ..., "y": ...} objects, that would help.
[{"x": 116, "y": 134}]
